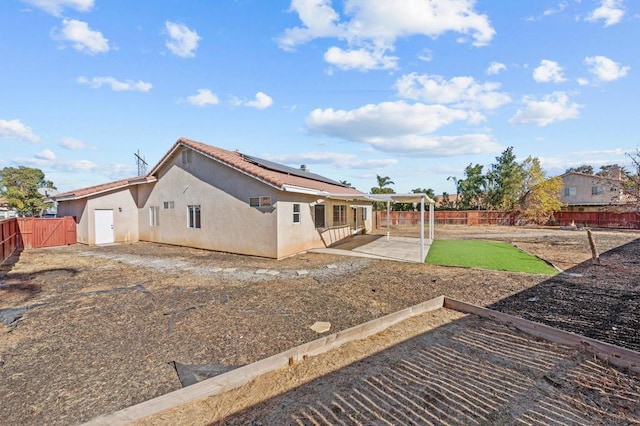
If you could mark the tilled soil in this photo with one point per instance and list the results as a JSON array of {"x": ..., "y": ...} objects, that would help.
[{"x": 105, "y": 322}]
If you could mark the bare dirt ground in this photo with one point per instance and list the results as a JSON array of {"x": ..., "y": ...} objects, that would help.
[{"x": 105, "y": 322}]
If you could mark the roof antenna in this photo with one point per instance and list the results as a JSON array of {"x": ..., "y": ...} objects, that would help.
[{"x": 142, "y": 165}]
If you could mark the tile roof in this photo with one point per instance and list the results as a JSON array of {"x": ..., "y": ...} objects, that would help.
[
  {"x": 97, "y": 189},
  {"x": 234, "y": 159},
  {"x": 274, "y": 177}
]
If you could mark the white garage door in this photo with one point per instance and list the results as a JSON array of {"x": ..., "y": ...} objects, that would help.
[{"x": 104, "y": 226}]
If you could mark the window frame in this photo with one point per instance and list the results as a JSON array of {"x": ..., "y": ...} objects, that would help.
[
  {"x": 297, "y": 216},
  {"x": 339, "y": 214},
  {"x": 597, "y": 190},
  {"x": 261, "y": 202},
  {"x": 154, "y": 216},
  {"x": 169, "y": 205},
  {"x": 194, "y": 216}
]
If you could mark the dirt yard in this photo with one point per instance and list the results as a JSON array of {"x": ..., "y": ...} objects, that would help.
[{"x": 103, "y": 324}]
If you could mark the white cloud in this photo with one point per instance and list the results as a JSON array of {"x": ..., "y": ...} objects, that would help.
[
  {"x": 495, "y": 68},
  {"x": 561, "y": 6},
  {"x": 55, "y": 7},
  {"x": 462, "y": 92},
  {"x": 426, "y": 55},
  {"x": 72, "y": 143},
  {"x": 373, "y": 27},
  {"x": 610, "y": 11},
  {"x": 81, "y": 37},
  {"x": 604, "y": 68},
  {"x": 203, "y": 98},
  {"x": 116, "y": 85},
  {"x": 336, "y": 159},
  {"x": 361, "y": 59},
  {"x": 261, "y": 101},
  {"x": 15, "y": 129},
  {"x": 182, "y": 41},
  {"x": 46, "y": 154},
  {"x": 583, "y": 81},
  {"x": 401, "y": 128},
  {"x": 548, "y": 71},
  {"x": 551, "y": 108}
]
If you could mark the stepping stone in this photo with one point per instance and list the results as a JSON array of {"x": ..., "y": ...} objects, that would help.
[
  {"x": 302, "y": 272},
  {"x": 215, "y": 269},
  {"x": 321, "y": 327},
  {"x": 229, "y": 269},
  {"x": 273, "y": 273},
  {"x": 262, "y": 271},
  {"x": 332, "y": 266}
]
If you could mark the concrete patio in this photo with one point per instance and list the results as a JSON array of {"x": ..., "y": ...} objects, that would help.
[{"x": 402, "y": 249}]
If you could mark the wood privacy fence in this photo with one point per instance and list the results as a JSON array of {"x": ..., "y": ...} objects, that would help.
[
  {"x": 447, "y": 217},
  {"x": 630, "y": 220},
  {"x": 32, "y": 232}
]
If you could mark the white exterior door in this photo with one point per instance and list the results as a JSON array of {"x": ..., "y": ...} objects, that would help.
[{"x": 104, "y": 226}]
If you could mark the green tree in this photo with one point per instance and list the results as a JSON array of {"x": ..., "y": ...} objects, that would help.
[
  {"x": 382, "y": 188},
  {"x": 20, "y": 187},
  {"x": 504, "y": 182},
  {"x": 472, "y": 188},
  {"x": 585, "y": 168},
  {"x": 631, "y": 181},
  {"x": 427, "y": 191},
  {"x": 345, "y": 183},
  {"x": 447, "y": 202},
  {"x": 540, "y": 196}
]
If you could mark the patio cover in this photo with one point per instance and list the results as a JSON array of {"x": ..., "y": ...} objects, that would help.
[{"x": 398, "y": 198}]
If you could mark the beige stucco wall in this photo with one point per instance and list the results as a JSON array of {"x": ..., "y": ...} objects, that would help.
[
  {"x": 125, "y": 214},
  {"x": 77, "y": 209},
  {"x": 298, "y": 237},
  {"x": 228, "y": 222},
  {"x": 612, "y": 190}
]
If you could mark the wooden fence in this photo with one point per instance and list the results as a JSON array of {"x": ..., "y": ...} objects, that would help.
[
  {"x": 32, "y": 232},
  {"x": 444, "y": 217},
  {"x": 487, "y": 217},
  {"x": 628, "y": 220}
]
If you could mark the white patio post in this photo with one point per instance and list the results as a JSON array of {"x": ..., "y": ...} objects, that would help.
[
  {"x": 432, "y": 223},
  {"x": 422, "y": 255},
  {"x": 388, "y": 218}
]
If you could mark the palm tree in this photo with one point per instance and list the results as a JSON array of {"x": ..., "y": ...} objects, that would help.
[{"x": 384, "y": 181}]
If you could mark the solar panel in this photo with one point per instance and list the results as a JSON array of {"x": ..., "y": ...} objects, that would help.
[{"x": 270, "y": 165}]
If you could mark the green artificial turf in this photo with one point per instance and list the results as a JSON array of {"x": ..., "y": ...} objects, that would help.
[{"x": 494, "y": 255}]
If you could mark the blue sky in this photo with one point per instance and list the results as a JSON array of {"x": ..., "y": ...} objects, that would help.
[{"x": 411, "y": 89}]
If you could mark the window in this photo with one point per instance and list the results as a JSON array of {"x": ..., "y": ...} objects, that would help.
[
  {"x": 339, "y": 215},
  {"x": 364, "y": 213},
  {"x": 169, "y": 205},
  {"x": 193, "y": 216},
  {"x": 570, "y": 192},
  {"x": 260, "y": 201},
  {"x": 186, "y": 156},
  {"x": 154, "y": 215},
  {"x": 597, "y": 190},
  {"x": 296, "y": 213},
  {"x": 318, "y": 215}
]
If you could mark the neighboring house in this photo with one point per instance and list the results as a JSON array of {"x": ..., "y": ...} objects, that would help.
[
  {"x": 584, "y": 192},
  {"x": 5, "y": 211},
  {"x": 207, "y": 197}
]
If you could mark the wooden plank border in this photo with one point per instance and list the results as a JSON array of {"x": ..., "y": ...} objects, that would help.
[
  {"x": 238, "y": 377},
  {"x": 615, "y": 355}
]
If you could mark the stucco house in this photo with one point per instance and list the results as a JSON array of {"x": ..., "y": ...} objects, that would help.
[
  {"x": 585, "y": 192},
  {"x": 206, "y": 197}
]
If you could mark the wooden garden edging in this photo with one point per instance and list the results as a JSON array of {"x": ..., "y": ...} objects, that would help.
[{"x": 615, "y": 355}]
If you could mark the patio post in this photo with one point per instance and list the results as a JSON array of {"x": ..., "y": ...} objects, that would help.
[
  {"x": 388, "y": 218},
  {"x": 422, "y": 255},
  {"x": 432, "y": 222}
]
